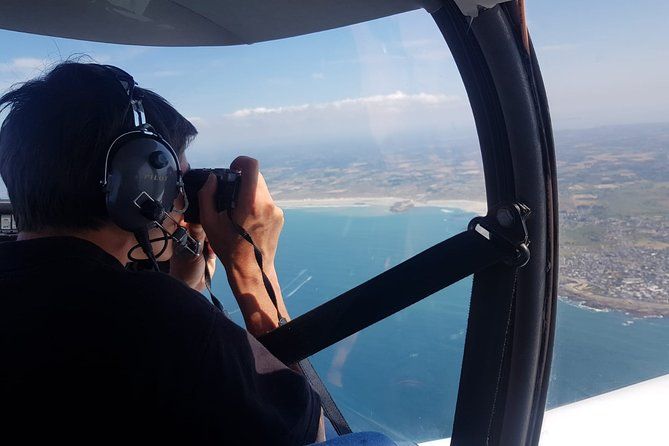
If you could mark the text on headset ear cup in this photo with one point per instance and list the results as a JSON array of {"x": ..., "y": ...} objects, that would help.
[{"x": 140, "y": 163}]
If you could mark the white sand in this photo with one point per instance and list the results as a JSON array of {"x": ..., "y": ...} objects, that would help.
[{"x": 477, "y": 207}]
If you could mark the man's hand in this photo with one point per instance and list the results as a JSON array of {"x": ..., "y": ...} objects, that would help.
[
  {"x": 258, "y": 215},
  {"x": 255, "y": 212},
  {"x": 190, "y": 269}
]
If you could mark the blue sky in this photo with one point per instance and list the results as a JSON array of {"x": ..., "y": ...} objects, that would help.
[{"x": 603, "y": 63}]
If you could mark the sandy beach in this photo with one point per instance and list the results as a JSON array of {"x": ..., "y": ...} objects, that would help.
[
  {"x": 477, "y": 207},
  {"x": 578, "y": 290}
]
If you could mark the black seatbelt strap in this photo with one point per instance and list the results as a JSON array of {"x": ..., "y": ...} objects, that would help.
[
  {"x": 489, "y": 326},
  {"x": 486, "y": 346},
  {"x": 407, "y": 283},
  {"x": 384, "y": 295}
]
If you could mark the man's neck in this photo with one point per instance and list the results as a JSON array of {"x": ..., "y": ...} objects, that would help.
[{"x": 111, "y": 239}]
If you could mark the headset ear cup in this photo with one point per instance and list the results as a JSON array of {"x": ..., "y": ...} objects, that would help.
[{"x": 139, "y": 162}]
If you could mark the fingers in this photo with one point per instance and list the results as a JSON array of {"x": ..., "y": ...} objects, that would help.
[
  {"x": 249, "y": 169},
  {"x": 244, "y": 164},
  {"x": 206, "y": 199}
]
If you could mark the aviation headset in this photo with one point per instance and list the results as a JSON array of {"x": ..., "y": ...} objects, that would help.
[{"x": 142, "y": 177}]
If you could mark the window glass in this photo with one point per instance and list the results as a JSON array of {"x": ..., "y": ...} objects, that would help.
[
  {"x": 384, "y": 168},
  {"x": 606, "y": 81},
  {"x": 366, "y": 139}
]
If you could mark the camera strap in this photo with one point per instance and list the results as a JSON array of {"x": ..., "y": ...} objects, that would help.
[
  {"x": 330, "y": 408},
  {"x": 207, "y": 282}
]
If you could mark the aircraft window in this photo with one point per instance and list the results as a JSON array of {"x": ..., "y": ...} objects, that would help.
[
  {"x": 609, "y": 101},
  {"x": 366, "y": 138}
]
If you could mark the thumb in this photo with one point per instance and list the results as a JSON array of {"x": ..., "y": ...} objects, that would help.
[{"x": 206, "y": 199}]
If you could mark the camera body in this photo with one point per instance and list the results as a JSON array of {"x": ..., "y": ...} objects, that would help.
[{"x": 226, "y": 192}]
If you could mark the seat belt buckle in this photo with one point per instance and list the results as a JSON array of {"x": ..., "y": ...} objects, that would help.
[{"x": 505, "y": 223}]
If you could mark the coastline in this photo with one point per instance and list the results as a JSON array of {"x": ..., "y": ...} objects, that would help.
[
  {"x": 572, "y": 290},
  {"x": 577, "y": 291},
  {"x": 473, "y": 206}
]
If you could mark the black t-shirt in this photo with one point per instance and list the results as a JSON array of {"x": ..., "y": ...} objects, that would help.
[{"x": 92, "y": 352}]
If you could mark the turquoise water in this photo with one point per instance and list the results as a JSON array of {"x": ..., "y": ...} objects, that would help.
[{"x": 401, "y": 375}]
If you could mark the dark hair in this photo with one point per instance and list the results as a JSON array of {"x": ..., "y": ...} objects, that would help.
[{"x": 55, "y": 136}]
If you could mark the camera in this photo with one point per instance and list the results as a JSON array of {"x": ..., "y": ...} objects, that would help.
[{"x": 226, "y": 191}]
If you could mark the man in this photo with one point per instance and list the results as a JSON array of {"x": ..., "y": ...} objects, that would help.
[{"x": 93, "y": 352}]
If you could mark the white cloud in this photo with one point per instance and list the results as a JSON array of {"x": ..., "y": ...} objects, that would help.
[
  {"x": 21, "y": 69},
  {"x": 24, "y": 65},
  {"x": 399, "y": 97},
  {"x": 246, "y": 112},
  {"x": 388, "y": 101},
  {"x": 370, "y": 120}
]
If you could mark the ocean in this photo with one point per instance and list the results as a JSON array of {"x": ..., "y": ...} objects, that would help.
[{"x": 400, "y": 376}]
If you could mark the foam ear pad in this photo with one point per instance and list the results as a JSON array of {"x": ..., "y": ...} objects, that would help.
[{"x": 140, "y": 162}]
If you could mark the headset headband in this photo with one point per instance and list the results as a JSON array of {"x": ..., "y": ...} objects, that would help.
[{"x": 128, "y": 83}]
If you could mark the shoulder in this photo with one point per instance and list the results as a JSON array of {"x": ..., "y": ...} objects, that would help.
[
  {"x": 165, "y": 291},
  {"x": 151, "y": 280},
  {"x": 158, "y": 303}
]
